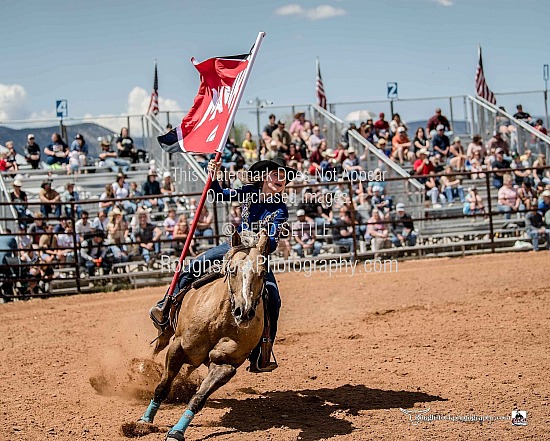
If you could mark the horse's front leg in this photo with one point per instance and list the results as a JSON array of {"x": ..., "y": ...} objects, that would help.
[{"x": 218, "y": 375}]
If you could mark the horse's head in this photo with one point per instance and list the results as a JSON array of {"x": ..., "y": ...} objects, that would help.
[{"x": 244, "y": 271}]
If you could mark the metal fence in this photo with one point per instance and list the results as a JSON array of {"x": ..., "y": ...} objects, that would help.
[{"x": 440, "y": 231}]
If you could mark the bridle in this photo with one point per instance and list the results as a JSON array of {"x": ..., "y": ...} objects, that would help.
[{"x": 230, "y": 272}]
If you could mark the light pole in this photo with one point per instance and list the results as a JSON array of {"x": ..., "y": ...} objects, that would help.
[
  {"x": 545, "y": 75},
  {"x": 259, "y": 103}
]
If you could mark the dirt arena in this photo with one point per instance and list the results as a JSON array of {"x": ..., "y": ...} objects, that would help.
[{"x": 464, "y": 336}]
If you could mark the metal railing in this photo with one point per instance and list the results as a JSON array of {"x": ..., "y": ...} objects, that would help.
[{"x": 520, "y": 135}]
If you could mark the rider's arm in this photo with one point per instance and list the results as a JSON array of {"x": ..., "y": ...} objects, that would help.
[{"x": 275, "y": 226}]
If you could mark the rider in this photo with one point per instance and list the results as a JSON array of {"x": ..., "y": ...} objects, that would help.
[{"x": 262, "y": 207}]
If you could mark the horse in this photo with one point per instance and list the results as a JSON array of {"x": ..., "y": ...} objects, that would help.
[{"x": 219, "y": 325}]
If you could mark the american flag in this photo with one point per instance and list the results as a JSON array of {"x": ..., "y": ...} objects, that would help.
[
  {"x": 154, "y": 103},
  {"x": 321, "y": 97},
  {"x": 482, "y": 89}
]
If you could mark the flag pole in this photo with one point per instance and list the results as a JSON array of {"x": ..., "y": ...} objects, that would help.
[{"x": 208, "y": 183}]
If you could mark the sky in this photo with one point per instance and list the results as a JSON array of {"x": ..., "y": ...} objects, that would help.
[{"x": 99, "y": 55}]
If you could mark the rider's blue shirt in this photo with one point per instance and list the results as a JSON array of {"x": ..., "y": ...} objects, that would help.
[{"x": 258, "y": 210}]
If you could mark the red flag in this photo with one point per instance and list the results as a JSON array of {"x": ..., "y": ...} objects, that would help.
[{"x": 202, "y": 129}]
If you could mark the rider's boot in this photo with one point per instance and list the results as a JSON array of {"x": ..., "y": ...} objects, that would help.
[
  {"x": 159, "y": 312},
  {"x": 261, "y": 362}
]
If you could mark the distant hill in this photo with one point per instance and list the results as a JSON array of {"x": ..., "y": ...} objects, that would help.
[{"x": 90, "y": 132}]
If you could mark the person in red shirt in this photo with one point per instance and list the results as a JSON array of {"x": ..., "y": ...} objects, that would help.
[
  {"x": 382, "y": 124},
  {"x": 400, "y": 146},
  {"x": 423, "y": 166},
  {"x": 436, "y": 120}
]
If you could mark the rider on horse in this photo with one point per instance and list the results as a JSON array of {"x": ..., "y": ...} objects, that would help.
[{"x": 262, "y": 208}]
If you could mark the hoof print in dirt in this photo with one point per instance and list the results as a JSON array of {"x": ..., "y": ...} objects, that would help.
[{"x": 138, "y": 429}]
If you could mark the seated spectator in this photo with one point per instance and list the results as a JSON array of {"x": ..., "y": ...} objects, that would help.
[
  {"x": 298, "y": 123},
  {"x": 49, "y": 252},
  {"x": 382, "y": 144},
  {"x": 147, "y": 237},
  {"x": 535, "y": 227},
  {"x": 73, "y": 163},
  {"x": 496, "y": 142},
  {"x": 170, "y": 223},
  {"x": 11, "y": 158},
  {"x": 100, "y": 223},
  {"x": 281, "y": 137},
  {"x": 441, "y": 143},
  {"x": 401, "y": 228},
  {"x": 540, "y": 127},
  {"x": 93, "y": 254},
  {"x": 65, "y": 241},
  {"x": 32, "y": 152},
  {"x": 250, "y": 149},
  {"x": 432, "y": 185},
  {"x": 508, "y": 200},
  {"x": 419, "y": 142},
  {"x": 181, "y": 231},
  {"x": 540, "y": 174},
  {"x": 451, "y": 186},
  {"x": 340, "y": 156},
  {"x": 38, "y": 227},
  {"x": 151, "y": 187},
  {"x": 109, "y": 159},
  {"x": 363, "y": 209},
  {"x": 377, "y": 231},
  {"x": 61, "y": 226},
  {"x": 476, "y": 146},
  {"x": 167, "y": 188},
  {"x": 83, "y": 227},
  {"x": 273, "y": 151},
  {"x": 79, "y": 145},
  {"x": 106, "y": 199},
  {"x": 20, "y": 202},
  {"x": 342, "y": 231},
  {"x": 502, "y": 121},
  {"x": 315, "y": 138},
  {"x": 48, "y": 197},
  {"x": 381, "y": 125},
  {"x": 351, "y": 165},
  {"x": 499, "y": 163},
  {"x": 56, "y": 153},
  {"x": 125, "y": 146},
  {"x": 395, "y": 123},
  {"x": 423, "y": 166},
  {"x": 303, "y": 232},
  {"x": 400, "y": 146},
  {"x": 71, "y": 195},
  {"x": 437, "y": 120},
  {"x": 328, "y": 165},
  {"x": 315, "y": 159},
  {"x": 476, "y": 165},
  {"x": 457, "y": 156},
  {"x": 344, "y": 134},
  {"x": 521, "y": 115},
  {"x": 135, "y": 192},
  {"x": 117, "y": 230},
  {"x": 379, "y": 200},
  {"x": 293, "y": 158},
  {"x": 519, "y": 173},
  {"x": 473, "y": 203},
  {"x": 378, "y": 180},
  {"x": 204, "y": 226},
  {"x": 527, "y": 194},
  {"x": 544, "y": 202},
  {"x": 121, "y": 190}
]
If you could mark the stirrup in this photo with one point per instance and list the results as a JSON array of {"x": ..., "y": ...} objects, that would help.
[
  {"x": 255, "y": 369},
  {"x": 160, "y": 325}
]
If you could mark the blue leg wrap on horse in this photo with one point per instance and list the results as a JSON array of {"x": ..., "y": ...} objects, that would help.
[
  {"x": 184, "y": 421},
  {"x": 151, "y": 411}
]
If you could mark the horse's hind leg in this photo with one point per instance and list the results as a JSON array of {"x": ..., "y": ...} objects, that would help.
[
  {"x": 175, "y": 358},
  {"x": 218, "y": 375}
]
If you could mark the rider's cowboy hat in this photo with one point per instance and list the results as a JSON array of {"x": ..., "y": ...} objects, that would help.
[{"x": 270, "y": 165}]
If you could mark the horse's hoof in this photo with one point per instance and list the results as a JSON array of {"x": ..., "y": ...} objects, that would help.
[{"x": 175, "y": 435}]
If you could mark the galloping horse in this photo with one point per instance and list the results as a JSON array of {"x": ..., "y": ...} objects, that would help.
[{"x": 218, "y": 326}]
